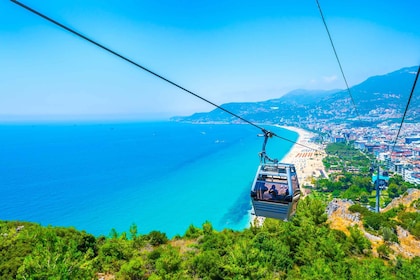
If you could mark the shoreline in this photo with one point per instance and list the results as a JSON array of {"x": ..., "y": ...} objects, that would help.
[{"x": 308, "y": 162}]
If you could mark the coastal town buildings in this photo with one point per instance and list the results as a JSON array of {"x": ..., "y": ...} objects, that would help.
[{"x": 400, "y": 156}]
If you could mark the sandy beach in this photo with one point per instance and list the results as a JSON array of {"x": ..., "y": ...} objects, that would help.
[{"x": 308, "y": 158}]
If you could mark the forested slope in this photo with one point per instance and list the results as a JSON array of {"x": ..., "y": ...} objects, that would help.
[{"x": 305, "y": 248}]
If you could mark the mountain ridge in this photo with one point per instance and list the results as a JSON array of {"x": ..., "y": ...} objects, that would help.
[{"x": 379, "y": 97}]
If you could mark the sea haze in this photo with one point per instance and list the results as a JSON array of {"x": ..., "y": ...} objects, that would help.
[{"x": 159, "y": 175}]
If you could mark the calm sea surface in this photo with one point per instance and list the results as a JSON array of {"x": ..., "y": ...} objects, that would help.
[{"x": 159, "y": 175}]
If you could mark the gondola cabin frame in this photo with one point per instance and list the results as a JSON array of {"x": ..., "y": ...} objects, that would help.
[{"x": 275, "y": 191}]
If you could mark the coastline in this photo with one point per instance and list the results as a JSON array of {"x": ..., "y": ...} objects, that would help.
[{"x": 308, "y": 162}]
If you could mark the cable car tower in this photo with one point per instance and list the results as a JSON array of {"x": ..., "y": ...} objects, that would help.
[{"x": 275, "y": 191}]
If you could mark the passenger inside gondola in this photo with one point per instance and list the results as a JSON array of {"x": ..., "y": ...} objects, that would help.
[
  {"x": 260, "y": 189},
  {"x": 277, "y": 192},
  {"x": 274, "y": 193}
]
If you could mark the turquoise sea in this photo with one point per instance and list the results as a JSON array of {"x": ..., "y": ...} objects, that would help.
[{"x": 159, "y": 175}]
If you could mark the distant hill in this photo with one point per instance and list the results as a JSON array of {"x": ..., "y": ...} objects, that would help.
[{"x": 378, "y": 98}]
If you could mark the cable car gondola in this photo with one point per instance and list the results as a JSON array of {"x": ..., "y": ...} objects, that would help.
[{"x": 275, "y": 191}]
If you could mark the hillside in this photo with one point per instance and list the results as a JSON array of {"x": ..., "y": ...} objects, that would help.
[
  {"x": 377, "y": 98},
  {"x": 340, "y": 218},
  {"x": 308, "y": 247}
]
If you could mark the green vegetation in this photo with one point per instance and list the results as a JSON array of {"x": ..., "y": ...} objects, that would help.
[
  {"x": 345, "y": 158},
  {"x": 350, "y": 177},
  {"x": 385, "y": 223},
  {"x": 304, "y": 248},
  {"x": 29, "y": 251},
  {"x": 411, "y": 220},
  {"x": 380, "y": 223},
  {"x": 397, "y": 186}
]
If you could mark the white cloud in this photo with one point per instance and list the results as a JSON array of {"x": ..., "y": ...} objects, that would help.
[{"x": 329, "y": 79}]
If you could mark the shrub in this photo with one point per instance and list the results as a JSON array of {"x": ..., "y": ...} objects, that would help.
[{"x": 156, "y": 238}]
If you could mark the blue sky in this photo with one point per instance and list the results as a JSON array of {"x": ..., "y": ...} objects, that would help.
[{"x": 226, "y": 51}]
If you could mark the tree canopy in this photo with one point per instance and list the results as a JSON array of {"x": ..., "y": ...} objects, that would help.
[{"x": 304, "y": 248}]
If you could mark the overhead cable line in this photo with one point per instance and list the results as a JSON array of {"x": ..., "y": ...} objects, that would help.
[
  {"x": 150, "y": 71},
  {"x": 338, "y": 60},
  {"x": 406, "y": 109}
]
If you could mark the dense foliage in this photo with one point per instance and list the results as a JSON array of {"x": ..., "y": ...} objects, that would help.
[
  {"x": 397, "y": 186},
  {"x": 304, "y": 248}
]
